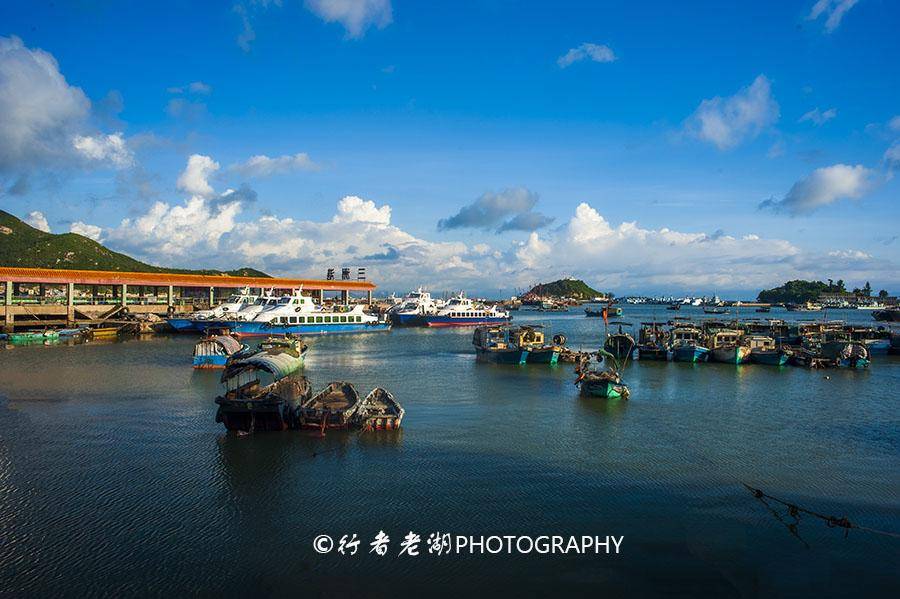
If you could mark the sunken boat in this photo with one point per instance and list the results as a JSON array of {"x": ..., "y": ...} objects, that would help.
[
  {"x": 250, "y": 406},
  {"x": 334, "y": 407},
  {"x": 378, "y": 411}
]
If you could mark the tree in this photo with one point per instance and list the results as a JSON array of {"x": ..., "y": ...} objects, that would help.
[
  {"x": 867, "y": 290},
  {"x": 840, "y": 285},
  {"x": 883, "y": 294}
]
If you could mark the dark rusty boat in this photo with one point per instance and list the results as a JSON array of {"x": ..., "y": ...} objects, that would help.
[{"x": 332, "y": 407}]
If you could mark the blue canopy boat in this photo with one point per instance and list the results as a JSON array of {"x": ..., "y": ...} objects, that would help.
[{"x": 214, "y": 351}]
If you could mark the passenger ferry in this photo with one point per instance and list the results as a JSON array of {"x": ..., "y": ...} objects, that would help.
[
  {"x": 414, "y": 306},
  {"x": 461, "y": 311},
  {"x": 199, "y": 320},
  {"x": 297, "y": 314}
]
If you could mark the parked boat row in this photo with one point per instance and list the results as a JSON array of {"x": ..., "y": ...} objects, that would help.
[
  {"x": 516, "y": 345},
  {"x": 418, "y": 308},
  {"x": 769, "y": 342},
  {"x": 247, "y": 315}
]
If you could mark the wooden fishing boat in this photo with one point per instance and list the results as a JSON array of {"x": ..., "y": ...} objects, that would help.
[
  {"x": 494, "y": 344},
  {"x": 764, "y": 309},
  {"x": 214, "y": 351},
  {"x": 687, "y": 345},
  {"x": 725, "y": 346},
  {"x": 620, "y": 344},
  {"x": 378, "y": 411},
  {"x": 593, "y": 312},
  {"x": 606, "y": 384},
  {"x": 714, "y": 310},
  {"x": 653, "y": 342},
  {"x": 531, "y": 338},
  {"x": 673, "y": 307},
  {"x": 764, "y": 350},
  {"x": 248, "y": 406},
  {"x": 847, "y": 354},
  {"x": 333, "y": 407}
]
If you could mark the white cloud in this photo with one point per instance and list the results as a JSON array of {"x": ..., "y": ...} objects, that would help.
[
  {"x": 353, "y": 209},
  {"x": 195, "y": 177},
  {"x": 105, "y": 148},
  {"x": 263, "y": 166},
  {"x": 37, "y": 220},
  {"x": 40, "y": 110},
  {"x": 834, "y": 11},
  {"x": 90, "y": 231},
  {"x": 508, "y": 210},
  {"x": 819, "y": 117},
  {"x": 894, "y": 123},
  {"x": 594, "y": 52},
  {"x": 355, "y": 15},
  {"x": 198, "y": 87},
  {"x": 822, "y": 187},
  {"x": 727, "y": 122}
]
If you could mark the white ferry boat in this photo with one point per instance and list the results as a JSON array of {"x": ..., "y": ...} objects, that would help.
[
  {"x": 198, "y": 320},
  {"x": 461, "y": 311},
  {"x": 414, "y": 306}
]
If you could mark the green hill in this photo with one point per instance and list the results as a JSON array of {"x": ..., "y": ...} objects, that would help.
[
  {"x": 798, "y": 291},
  {"x": 23, "y": 245},
  {"x": 574, "y": 288}
]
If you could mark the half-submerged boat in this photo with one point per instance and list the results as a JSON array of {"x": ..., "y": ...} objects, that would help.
[
  {"x": 331, "y": 408},
  {"x": 248, "y": 406},
  {"x": 764, "y": 350},
  {"x": 725, "y": 346},
  {"x": 213, "y": 351},
  {"x": 496, "y": 345},
  {"x": 687, "y": 344},
  {"x": 461, "y": 311},
  {"x": 378, "y": 411},
  {"x": 32, "y": 337},
  {"x": 600, "y": 383}
]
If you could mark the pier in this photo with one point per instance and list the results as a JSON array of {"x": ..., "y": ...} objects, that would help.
[{"x": 42, "y": 297}]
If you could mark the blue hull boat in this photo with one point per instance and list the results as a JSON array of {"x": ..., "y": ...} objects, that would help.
[
  {"x": 450, "y": 321},
  {"x": 182, "y": 325},
  {"x": 690, "y": 353},
  {"x": 263, "y": 329},
  {"x": 503, "y": 356},
  {"x": 210, "y": 361},
  {"x": 408, "y": 320}
]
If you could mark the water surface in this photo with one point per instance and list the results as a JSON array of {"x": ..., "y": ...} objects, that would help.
[{"x": 115, "y": 478}]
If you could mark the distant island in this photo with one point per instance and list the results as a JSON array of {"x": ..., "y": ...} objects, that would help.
[
  {"x": 24, "y": 246},
  {"x": 563, "y": 288},
  {"x": 799, "y": 291}
]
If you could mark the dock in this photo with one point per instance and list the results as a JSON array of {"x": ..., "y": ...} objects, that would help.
[{"x": 45, "y": 297}]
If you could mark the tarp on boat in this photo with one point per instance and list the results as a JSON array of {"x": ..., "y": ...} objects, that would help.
[
  {"x": 228, "y": 343},
  {"x": 278, "y": 365}
]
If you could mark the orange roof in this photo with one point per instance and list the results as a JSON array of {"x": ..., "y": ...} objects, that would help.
[{"x": 106, "y": 277}]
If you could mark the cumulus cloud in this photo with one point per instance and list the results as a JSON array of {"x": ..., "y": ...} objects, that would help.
[
  {"x": 355, "y": 15},
  {"x": 37, "y": 220},
  {"x": 822, "y": 187},
  {"x": 727, "y": 122},
  {"x": 819, "y": 117},
  {"x": 111, "y": 149},
  {"x": 40, "y": 110},
  {"x": 586, "y": 51},
  {"x": 195, "y": 177},
  {"x": 834, "y": 11},
  {"x": 353, "y": 209},
  {"x": 263, "y": 166},
  {"x": 511, "y": 209},
  {"x": 90, "y": 231}
]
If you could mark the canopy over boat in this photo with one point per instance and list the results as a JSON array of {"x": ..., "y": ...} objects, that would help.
[
  {"x": 278, "y": 365},
  {"x": 227, "y": 343}
]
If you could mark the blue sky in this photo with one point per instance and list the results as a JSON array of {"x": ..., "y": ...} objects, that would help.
[{"x": 671, "y": 123}]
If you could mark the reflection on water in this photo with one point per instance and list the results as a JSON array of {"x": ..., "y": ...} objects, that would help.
[{"x": 113, "y": 470}]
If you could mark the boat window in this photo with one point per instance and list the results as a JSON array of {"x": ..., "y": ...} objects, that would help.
[
  {"x": 293, "y": 319},
  {"x": 327, "y": 319},
  {"x": 318, "y": 319},
  {"x": 359, "y": 319}
]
